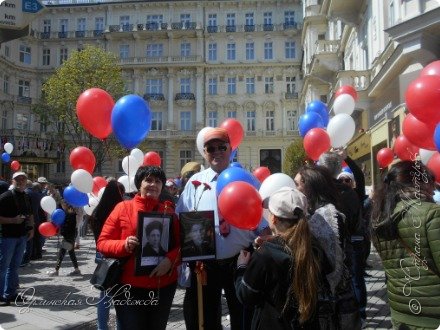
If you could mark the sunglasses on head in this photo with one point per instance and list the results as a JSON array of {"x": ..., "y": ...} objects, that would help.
[
  {"x": 212, "y": 149},
  {"x": 346, "y": 180}
]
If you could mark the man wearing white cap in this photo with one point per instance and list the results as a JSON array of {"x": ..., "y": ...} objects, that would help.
[{"x": 17, "y": 227}]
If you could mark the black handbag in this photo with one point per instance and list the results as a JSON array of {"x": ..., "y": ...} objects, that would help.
[{"x": 107, "y": 273}]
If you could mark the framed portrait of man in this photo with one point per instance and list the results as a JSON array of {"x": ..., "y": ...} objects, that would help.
[
  {"x": 197, "y": 235},
  {"x": 154, "y": 234}
]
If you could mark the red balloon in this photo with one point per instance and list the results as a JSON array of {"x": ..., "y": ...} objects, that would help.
[
  {"x": 419, "y": 133},
  {"x": 432, "y": 69},
  {"x": 15, "y": 165},
  {"x": 347, "y": 89},
  {"x": 98, "y": 183},
  {"x": 83, "y": 158},
  {"x": 423, "y": 99},
  {"x": 47, "y": 229},
  {"x": 385, "y": 157},
  {"x": 404, "y": 149},
  {"x": 94, "y": 109},
  {"x": 235, "y": 131},
  {"x": 261, "y": 173},
  {"x": 434, "y": 166},
  {"x": 152, "y": 158},
  {"x": 316, "y": 142},
  {"x": 240, "y": 205}
]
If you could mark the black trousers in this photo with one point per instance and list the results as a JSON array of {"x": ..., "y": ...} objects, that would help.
[
  {"x": 61, "y": 255},
  {"x": 220, "y": 275},
  {"x": 140, "y": 308}
]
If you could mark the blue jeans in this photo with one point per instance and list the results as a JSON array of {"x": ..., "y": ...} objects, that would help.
[
  {"x": 103, "y": 305},
  {"x": 11, "y": 255},
  {"x": 358, "y": 280}
]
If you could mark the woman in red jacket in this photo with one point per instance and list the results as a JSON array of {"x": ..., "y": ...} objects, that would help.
[{"x": 141, "y": 300}]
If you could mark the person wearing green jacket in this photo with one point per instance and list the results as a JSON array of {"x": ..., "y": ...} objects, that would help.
[{"x": 406, "y": 233}]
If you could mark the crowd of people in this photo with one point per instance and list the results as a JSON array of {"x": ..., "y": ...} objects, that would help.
[{"x": 302, "y": 268}]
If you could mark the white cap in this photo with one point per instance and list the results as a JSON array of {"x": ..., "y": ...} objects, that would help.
[
  {"x": 42, "y": 179},
  {"x": 18, "y": 174},
  {"x": 170, "y": 183},
  {"x": 347, "y": 175},
  {"x": 285, "y": 201}
]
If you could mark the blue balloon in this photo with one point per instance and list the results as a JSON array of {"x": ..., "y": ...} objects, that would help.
[
  {"x": 321, "y": 109},
  {"x": 232, "y": 174},
  {"x": 308, "y": 121},
  {"x": 235, "y": 164},
  {"x": 6, "y": 157},
  {"x": 233, "y": 155},
  {"x": 58, "y": 216},
  {"x": 436, "y": 137},
  {"x": 347, "y": 169},
  {"x": 74, "y": 197},
  {"x": 131, "y": 120}
]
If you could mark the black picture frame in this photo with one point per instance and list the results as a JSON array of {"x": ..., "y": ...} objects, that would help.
[
  {"x": 152, "y": 248},
  {"x": 197, "y": 235}
]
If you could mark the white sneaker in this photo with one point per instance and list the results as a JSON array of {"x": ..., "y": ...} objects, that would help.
[{"x": 52, "y": 273}]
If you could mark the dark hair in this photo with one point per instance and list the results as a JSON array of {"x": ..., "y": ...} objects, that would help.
[
  {"x": 147, "y": 171},
  {"x": 411, "y": 179},
  {"x": 152, "y": 226},
  {"x": 319, "y": 187},
  {"x": 113, "y": 194}
]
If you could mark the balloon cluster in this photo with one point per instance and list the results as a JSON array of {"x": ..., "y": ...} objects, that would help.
[
  {"x": 58, "y": 216},
  {"x": 320, "y": 132},
  {"x": 421, "y": 127},
  {"x": 6, "y": 157}
]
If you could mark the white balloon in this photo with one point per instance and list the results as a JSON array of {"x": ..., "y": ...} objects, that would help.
[
  {"x": 130, "y": 165},
  {"x": 82, "y": 180},
  {"x": 100, "y": 192},
  {"x": 138, "y": 155},
  {"x": 93, "y": 202},
  {"x": 344, "y": 103},
  {"x": 48, "y": 204},
  {"x": 200, "y": 139},
  {"x": 275, "y": 182},
  {"x": 425, "y": 155},
  {"x": 8, "y": 147},
  {"x": 128, "y": 183},
  {"x": 340, "y": 129}
]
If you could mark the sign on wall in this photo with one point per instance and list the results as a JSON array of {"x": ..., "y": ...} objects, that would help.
[{"x": 17, "y": 14}]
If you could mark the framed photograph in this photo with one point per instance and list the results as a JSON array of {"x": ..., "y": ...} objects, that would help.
[
  {"x": 197, "y": 235},
  {"x": 154, "y": 233}
]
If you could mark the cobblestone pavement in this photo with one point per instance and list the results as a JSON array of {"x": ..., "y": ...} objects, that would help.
[{"x": 66, "y": 302}]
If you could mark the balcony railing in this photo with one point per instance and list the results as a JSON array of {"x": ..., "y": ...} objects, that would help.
[
  {"x": 80, "y": 34},
  {"x": 154, "y": 97},
  {"x": 290, "y": 25},
  {"x": 249, "y": 28},
  {"x": 62, "y": 34},
  {"x": 185, "y": 96},
  {"x": 212, "y": 29},
  {"x": 45, "y": 35},
  {"x": 24, "y": 99},
  {"x": 291, "y": 95},
  {"x": 327, "y": 46},
  {"x": 231, "y": 28},
  {"x": 161, "y": 59},
  {"x": 268, "y": 27},
  {"x": 98, "y": 33}
]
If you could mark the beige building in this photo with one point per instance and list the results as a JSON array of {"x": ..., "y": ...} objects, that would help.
[
  {"x": 196, "y": 62},
  {"x": 378, "y": 47}
]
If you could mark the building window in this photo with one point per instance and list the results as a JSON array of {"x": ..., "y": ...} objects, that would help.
[
  {"x": 185, "y": 19},
  {"x": 99, "y": 23},
  {"x": 154, "y": 50},
  {"x": 61, "y": 162},
  {"x": 250, "y": 51},
  {"x": 63, "y": 55},
  {"x": 185, "y": 85},
  {"x": 64, "y": 22},
  {"x": 156, "y": 121},
  {"x": 212, "y": 86},
  {"x": 7, "y": 51},
  {"x": 185, "y": 121},
  {"x": 290, "y": 49},
  {"x": 249, "y": 18},
  {"x": 24, "y": 88},
  {"x": 290, "y": 84},
  {"x": 250, "y": 121},
  {"x": 185, "y": 49},
  {"x": 81, "y": 24},
  {"x": 391, "y": 16},
  {"x": 212, "y": 20},
  {"x": 154, "y": 86},
  {"x": 124, "y": 51},
  {"x": 154, "y": 19},
  {"x": 22, "y": 121},
  {"x": 5, "y": 119},
  {"x": 212, "y": 118},
  {"x": 124, "y": 22},
  {"x": 267, "y": 18},
  {"x": 231, "y": 114},
  {"x": 6, "y": 84},
  {"x": 25, "y": 54},
  {"x": 232, "y": 86},
  {"x": 289, "y": 17},
  {"x": 46, "y": 26},
  {"x": 185, "y": 157},
  {"x": 230, "y": 19},
  {"x": 212, "y": 52},
  {"x": 268, "y": 85},
  {"x": 230, "y": 48},
  {"x": 270, "y": 120},
  {"x": 268, "y": 50},
  {"x": 250, "y": 85},
  {"x": 291, "y": 122},
  {"x": 46, "y": 56}
]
